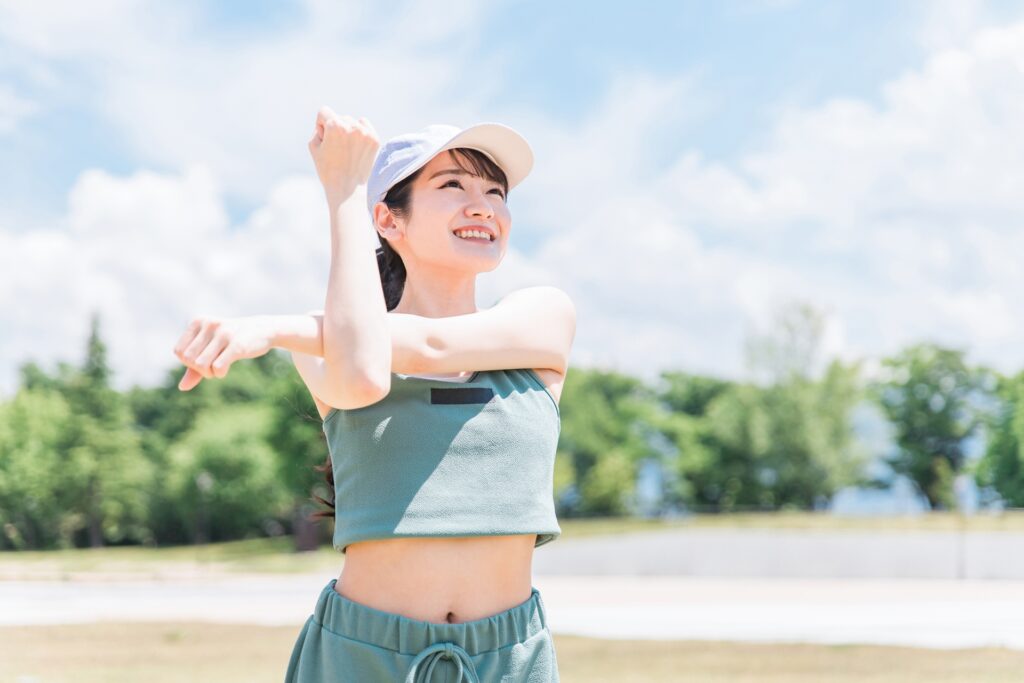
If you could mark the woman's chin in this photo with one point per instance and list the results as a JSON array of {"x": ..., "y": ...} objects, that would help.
[
  {"x": 490, "y": 252},
  {"x": 480, "y": 263}
]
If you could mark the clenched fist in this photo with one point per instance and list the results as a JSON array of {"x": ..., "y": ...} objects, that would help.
[
  {"x": 209, "y": 346},
  {"x": 343, "y": 150}
]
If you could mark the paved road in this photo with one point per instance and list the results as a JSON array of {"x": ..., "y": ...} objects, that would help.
[
  {"x": 768, "y": 553},
  {"x": 757, "y": 585},
  {"x": 935, "y": 613}
]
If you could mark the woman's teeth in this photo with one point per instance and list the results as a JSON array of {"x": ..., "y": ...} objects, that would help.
[{"x": 473, "y": 234}]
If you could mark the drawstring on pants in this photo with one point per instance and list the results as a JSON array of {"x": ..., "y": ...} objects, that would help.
[{"x": 437, "y": 652}]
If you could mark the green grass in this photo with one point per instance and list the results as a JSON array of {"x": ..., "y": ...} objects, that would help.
[
  {"x": 276, "y": 555},
  {"x": 260, "y": 555},
  {"x": 194, "y": 653}
]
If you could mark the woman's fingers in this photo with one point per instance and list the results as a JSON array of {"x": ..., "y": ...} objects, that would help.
[
  {"x": 204, "y": 360},
  {"x": 197, "y": 345},
  {"x": 190, "y": 379},
  {"x": 369, "y": 126},
  {"x": 324, "y": 114},
  {"x": 343, "y": 152},
  {"x": 186, "y": 337},
  {"x": 328, "y": 120},
  {"x": 222, "y": 363},
  {"x": 207, "y": 342},
  {"x": 210, "y": 345}
]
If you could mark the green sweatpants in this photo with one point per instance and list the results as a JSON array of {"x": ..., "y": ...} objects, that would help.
[{"x": 345, "y": 641}]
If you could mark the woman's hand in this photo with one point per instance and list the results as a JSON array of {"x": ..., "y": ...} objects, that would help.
[
  {"x": 343, "y": 150},
  {"x": 210, "y": 345}
]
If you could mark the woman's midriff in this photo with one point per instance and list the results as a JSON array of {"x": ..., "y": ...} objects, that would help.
[{"x": 441, "y": 580}]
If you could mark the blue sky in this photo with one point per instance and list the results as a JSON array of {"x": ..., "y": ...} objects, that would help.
[
  {"x": 751, "y": 57},
  {"x": 698, "y": 165}
]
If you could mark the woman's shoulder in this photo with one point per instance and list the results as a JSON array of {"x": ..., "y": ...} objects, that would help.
[{"x": 552, "y": 380}]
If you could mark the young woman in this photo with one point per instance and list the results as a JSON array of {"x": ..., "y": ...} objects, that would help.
[{"x": 441, "y": 419}]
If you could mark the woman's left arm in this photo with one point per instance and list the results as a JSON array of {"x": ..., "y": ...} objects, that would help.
[
  {"x": 304, "y": 334},
  {"x": 532, "y": 327},
  {"x": 210, "y": 344}
]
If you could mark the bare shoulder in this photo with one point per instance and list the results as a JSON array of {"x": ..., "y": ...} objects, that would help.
[
  {"x": 557, "y": 305},
  {"x": 544, "y": 305},
  {"x": 546, "y": 296}
]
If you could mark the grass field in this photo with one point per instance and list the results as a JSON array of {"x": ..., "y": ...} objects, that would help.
[
  {"x": 276, "y": 555},
  {"x": 194, "y": 653}
]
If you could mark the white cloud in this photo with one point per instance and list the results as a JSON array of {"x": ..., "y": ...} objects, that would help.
[
  {"x": 949, "y": 23},
  {"x": 902, "y": 218},
  {"x": 246, "y": 108},
  {"x": 151, "y": 251}
]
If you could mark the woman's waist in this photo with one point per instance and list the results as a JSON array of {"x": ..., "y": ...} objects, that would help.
[{"x": 439, "y": 579}]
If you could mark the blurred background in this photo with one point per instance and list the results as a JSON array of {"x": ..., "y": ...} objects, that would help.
[{"x": 792, "y": 442}]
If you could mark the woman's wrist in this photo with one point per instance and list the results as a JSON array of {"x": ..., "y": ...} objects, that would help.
[{"x": 349, "y": 191}]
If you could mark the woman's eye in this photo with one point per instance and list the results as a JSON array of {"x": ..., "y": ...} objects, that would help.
[{"x": 500, "y": 193}]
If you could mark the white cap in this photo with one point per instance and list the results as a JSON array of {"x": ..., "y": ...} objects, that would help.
[{"x": 402, "y": 155}]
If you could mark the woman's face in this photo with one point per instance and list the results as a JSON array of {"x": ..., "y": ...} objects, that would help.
[{"x": 446, "y": 198}]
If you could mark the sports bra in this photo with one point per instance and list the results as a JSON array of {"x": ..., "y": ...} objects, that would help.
[{"x": 471, "y": 457}]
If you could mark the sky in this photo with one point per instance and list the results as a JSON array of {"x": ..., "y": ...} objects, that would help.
[{"x": 698, "y": 167}]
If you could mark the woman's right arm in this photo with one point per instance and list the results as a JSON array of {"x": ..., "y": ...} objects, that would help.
[{"x": 356, "y": 345}]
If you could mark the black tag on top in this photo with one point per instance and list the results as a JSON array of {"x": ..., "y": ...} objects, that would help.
[{"x": 453, "y": 395}]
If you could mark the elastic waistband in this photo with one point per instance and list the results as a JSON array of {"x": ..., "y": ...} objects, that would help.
[{"x": 408, "y": 636}]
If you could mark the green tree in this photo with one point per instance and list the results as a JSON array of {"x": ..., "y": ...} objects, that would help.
[
  {"x": 296, "y": 435},
  {"x": 1002, "y": 465},
  {"x": 784, "y": 441},
  {"x": 102, "y": 475},
  {"x": 223, "y": 475},
  {"x": 183, "y": 434},
  {"x": 929, "y": 395},
  {"x": 691, "y": 394},
  {"x": 604, "y": 414},
  {"x": 32, "y": 510},
  {"x": 690, "y": 458}
]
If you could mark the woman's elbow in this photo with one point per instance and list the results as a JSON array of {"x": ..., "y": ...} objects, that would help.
[
  {"x": 376, "y": 387},
  {"x": 356, "y": 389}
]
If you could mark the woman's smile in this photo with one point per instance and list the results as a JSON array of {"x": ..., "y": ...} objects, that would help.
[{"x": 476, "y": 240}]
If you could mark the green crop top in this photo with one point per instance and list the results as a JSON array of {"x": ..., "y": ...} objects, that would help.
[{"x": 447, "y": 458}]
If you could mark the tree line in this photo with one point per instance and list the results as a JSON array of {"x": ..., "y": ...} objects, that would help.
[{"x": 82, "y": 464}]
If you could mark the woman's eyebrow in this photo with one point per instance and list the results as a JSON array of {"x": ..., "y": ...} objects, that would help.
[
  {"x": 454, "y": 171},
  {"x": 458, "y": 171}
]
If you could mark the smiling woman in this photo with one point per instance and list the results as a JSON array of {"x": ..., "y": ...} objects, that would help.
[
  {"x": 408, "y": 461},
  {"x": 468, "y": 166},
  {"x": 441, "y": 420}
]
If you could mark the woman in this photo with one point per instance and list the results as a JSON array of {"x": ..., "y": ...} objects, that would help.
[{"x": 443, "y": 490}]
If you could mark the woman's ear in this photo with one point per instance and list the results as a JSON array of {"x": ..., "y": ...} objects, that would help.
[
  {"x": 381, "y": 214},
  {"x": 385, "y": 222}
]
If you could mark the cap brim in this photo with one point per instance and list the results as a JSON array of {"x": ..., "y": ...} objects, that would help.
[{"x": 504, "y": 145}]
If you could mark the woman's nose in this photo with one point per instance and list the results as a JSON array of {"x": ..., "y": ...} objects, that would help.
[{"x": 480, "y": 206}]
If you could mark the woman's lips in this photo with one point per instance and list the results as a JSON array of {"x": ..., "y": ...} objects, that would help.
[{"x": 478, "y": 240}]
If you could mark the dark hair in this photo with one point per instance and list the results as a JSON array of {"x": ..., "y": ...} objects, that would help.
[{"x": 392, "y": 270}]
